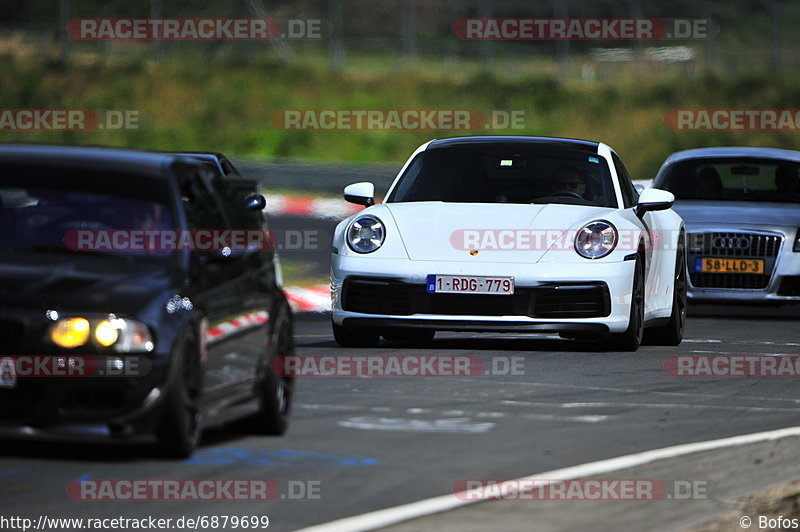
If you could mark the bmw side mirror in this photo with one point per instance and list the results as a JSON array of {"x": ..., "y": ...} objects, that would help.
[
  {"x": 360, "y": 193},
  {"x": 255, "y": 202},
  {"x": 654, "y": 199}
]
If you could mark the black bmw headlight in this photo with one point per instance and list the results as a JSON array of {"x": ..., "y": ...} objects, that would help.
[{"x": 121, "y": 335}]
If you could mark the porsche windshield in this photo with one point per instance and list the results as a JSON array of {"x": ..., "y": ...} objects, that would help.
[
  {"x": 733, "y": 179},
  {"x": 506, "y": 174}
]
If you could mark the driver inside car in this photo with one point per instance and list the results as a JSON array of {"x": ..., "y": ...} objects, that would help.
[{"x": 569, "y": 178}]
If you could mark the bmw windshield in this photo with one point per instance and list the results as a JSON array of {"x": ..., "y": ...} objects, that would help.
[{"x": 43, "y": 210}]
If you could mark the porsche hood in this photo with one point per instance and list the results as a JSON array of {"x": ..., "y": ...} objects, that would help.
[{"x": 500, "y": 233}]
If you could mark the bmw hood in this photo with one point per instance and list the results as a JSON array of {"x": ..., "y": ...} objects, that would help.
[
  {"x": 45, "y": 281},
  {"x": 498, "y": 232},
  {"x": 738, "y": 213}
]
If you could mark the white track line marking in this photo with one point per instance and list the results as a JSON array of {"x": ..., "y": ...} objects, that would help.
[
  {"x": 443, "y": 503},
  {"x": 328, "y": 407},
  {"x": 638, "y": 392},
  {"x": 651, "y": 405},
  {"x": 656, "y": 392},
  {"x": 586, "y": 418},
  {"x": 552, "y": 417},
  {"x": 793, "y": 344},
  {"x": 490, "y": 414},
  {"x": 728, "y": 353},
  {"x": 447, "y": 426}
]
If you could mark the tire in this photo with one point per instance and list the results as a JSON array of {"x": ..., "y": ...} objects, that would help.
[
  {"x": 355, "y": 336},
  {"x": 274, "y": 392},
  {"x": 631, "y": 339},
  {"x": 672, "y": 332},
  {"x": 179, "y": 428},
  {"x": 409, "y": 336}
]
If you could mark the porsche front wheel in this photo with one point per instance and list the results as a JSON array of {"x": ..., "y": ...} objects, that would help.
[{"x": 631, "y": 339}]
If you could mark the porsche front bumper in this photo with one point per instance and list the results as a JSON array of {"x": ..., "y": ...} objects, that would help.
[{"x": 549, "y": 297}]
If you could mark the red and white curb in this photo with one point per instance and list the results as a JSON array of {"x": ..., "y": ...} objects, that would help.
[
  {"x": 226, "y": 328},
  {"x": 326, "y": 208},
  {"x": 309, "y": 298}
]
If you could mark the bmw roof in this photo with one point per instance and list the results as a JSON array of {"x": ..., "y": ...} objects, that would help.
[{"x": 101, "y": 158}]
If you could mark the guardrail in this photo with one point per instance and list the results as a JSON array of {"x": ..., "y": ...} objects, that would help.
[{"x": 319, "y": 178}]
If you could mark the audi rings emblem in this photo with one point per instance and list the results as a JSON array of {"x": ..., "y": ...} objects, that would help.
[{"x": 731, "y": 242}]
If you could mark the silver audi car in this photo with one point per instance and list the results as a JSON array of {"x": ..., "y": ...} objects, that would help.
[{"x": 742, "y": 212}]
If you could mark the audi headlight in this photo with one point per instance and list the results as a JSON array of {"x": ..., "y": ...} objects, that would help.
[
  {"x": 120, "y": 335},
  {"x": 596, "y": 239},
  {"x": 366, "y": 234}
]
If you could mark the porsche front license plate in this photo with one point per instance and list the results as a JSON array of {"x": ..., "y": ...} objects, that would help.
[
  {"x": 470, "y": 284},
  {"x": 713, "y": 265}
]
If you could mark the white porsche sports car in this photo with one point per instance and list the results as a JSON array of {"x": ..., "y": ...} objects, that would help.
[{"x": 510, "y": 234}]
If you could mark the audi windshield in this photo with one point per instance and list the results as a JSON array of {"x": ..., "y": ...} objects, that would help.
[{"x": 733, "y": 179}]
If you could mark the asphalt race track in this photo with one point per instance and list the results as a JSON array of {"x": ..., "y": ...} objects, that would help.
[
  {"x": 358, "y": 444},
  {"x": 377, "y": 442}
]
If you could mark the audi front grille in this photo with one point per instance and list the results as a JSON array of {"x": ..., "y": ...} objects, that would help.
[{"x": 738, "y": 245}]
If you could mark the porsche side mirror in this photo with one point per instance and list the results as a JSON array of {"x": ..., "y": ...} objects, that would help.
[
  {"x": 654, "y": 199},
  {"x": 360, "y": 193}
]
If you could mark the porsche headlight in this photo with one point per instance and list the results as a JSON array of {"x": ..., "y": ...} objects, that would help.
[
  {"x": 596, "y": 239},
  {"x": 120, "y": 335},
  {"x": 365, "y": 234}
]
